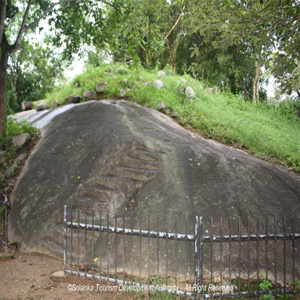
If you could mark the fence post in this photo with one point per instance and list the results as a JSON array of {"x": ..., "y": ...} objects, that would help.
[
  {"x": 201, "y": 257},
  {"x": 6, "y": 222},
  {"x": 65, "y": 238},
  {"x": 196, "y": 258}
]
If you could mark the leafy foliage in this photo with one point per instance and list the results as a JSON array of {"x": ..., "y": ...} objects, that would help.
[
  {"x": 32, "y": 73},
  {"x": 266, "y": 286},
  {"x": 15, "y": 128}
]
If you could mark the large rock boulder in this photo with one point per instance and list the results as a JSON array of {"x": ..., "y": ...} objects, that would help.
[{"x": 120, "y": 157}]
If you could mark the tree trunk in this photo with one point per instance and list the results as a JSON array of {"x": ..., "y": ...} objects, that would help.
[
  {"x": 3, "y": 68},
  {"x": 256, "y": 82}
]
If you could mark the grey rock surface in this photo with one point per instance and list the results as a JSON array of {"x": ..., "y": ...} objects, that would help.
[{"x": 120, "y": 157}]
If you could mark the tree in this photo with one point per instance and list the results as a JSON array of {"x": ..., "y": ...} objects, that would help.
[
  {"x": 75, "y": 21},
  {"x": 258, "y": 27},
  {"x": 32, "y": 72},
  {"x": 146, "y": 31}
]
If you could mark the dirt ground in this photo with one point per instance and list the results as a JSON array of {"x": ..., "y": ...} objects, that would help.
[{"x": 28, "y": 277}]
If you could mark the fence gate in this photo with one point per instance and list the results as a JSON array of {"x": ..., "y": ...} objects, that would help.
[{"x": 224, "y": 265}]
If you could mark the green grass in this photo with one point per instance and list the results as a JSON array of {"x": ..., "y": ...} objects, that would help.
[{"x": 260, "y": 130}]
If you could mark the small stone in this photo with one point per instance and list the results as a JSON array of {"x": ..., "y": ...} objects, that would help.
[
  {"x": 122, "y": 92},
  {"x": 73, "y": 99},
  {"x": 122, "y": 70},
  {"x": 167, "y": 112},
  {"x": 39, "y": 107},
  {"x": 89, "y": 95},
  {"x": 147, "y": 83},
  {"x": 212, "y": 91},
  {"x": 58, "y": 276},
  {"x": 175, "y": 114},
  {"x": 100, "y": 87},
  {"x": 56, "y": 103},
  {"x": 4, "y": 256},
  {"x": 20, "y": 140},
  {"x": 161, "y": 73},
  {"x": 26, "y": 105},
  {"x": 161, "y": 106},
  {"x": 42, "y": 105},
  {"x": 183, "y": 80},
  {"x": 11, "y": 170},
  {"x": 21, "y": 158},
  {"x": 189, "y": 92},
  {"x": 158, "y": 84}
]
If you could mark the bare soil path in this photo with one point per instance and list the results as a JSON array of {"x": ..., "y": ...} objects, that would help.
[{"x": 28, "y": 277}]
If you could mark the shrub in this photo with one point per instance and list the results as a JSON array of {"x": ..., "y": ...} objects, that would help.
[{"x": 15, "y": 128}]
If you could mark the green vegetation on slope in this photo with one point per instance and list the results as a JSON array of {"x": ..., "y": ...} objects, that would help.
[
  {"x": 264, "y": 131},
  {"x": 9, "y": 152}
]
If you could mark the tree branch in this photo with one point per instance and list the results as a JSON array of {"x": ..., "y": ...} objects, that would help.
[
  {"x": 51, "y": 7},
  {"x": 44, "y": 13},
  {"x": 2, "y": 17},
  {"x": 17, "y": 44},
  {"x": 42, "y": 16},
  {"x": 174, "y": 26},
  {"x": 112, "y": 5}
]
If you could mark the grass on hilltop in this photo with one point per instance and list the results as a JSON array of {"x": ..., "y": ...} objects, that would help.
[{"x": 260, "y": 130}]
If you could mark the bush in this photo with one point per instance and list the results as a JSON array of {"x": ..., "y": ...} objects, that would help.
[
  {"x": 290, "y": 107},
  {"x": 15, "y": 128}
]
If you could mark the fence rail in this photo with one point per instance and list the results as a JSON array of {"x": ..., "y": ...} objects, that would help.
[{"x": 224, "y": 260}]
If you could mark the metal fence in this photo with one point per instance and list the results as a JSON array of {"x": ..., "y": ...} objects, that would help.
[
  {"x": 3, "y": 221},
  {"x": 199, "y": 264}
]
